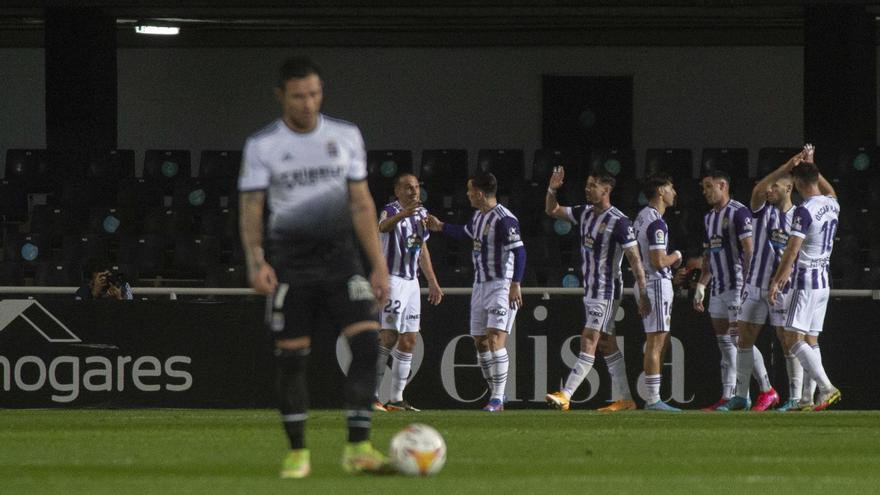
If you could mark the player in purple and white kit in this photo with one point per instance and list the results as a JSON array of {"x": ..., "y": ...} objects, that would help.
[
  {"x": 805, "y": 265},
  {"x": 606, "y": 235},
  {"x": 652, "y": 234},
  {"x": 404, "y": 238},
  {"x": 727, "y": 254},
  {"x": 773, "y": 210},
  {"x": 499, "y": 259}
]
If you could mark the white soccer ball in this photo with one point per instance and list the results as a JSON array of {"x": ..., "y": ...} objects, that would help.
[{"x": 418, "y": 450}]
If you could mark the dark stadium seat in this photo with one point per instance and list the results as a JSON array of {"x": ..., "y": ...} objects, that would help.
[
  {"x": 545, "y": 159},
  {"x": 80, "y": 248},
  {"x": 145, "y": 252},
  {"x": 27, "y": 247},
  {"x": 769, "y": 159},
  {"x": 13, "y": 200},
  {"x": 734, "y": 161},
  {"x": 167, "y": 166},
  {"x": 220, "y": 164},
  {"x": 58, "y": 274},
  {"x": 138, "y": 193},
  {"x": 169, "y": 221},
  {"x": 221, "y": 223},
  {"x": 444, "y": 174},
  {"x": 620, "y": 163},
  {"x": 194, "y": 254},
  {"x": 507, "y": 165},
  {"x": 110, "y": 220},
  {"x": 110, "y": 165},
  {"x": 678, "y": 164},
  {"x": 226, "y": 276},
  {"x": 81, "y": 194},
  {"x": 856, "y": 166},
  {"x": 196, "y": 193},
  {"x": 11, "y": 273},
  {"x": 29, "y": 165}
]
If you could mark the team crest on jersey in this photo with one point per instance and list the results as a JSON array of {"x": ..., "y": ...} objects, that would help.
[
  {"x": 332, "y": 149},
  {"x": 796, "y": 223},
  {"x": 414, "y": 243},
  {"x": 512, "y": 235},
  {"x": 588, "y": 242},
  {"x": 602, "y": 227},
  {"x": 725, "y": 223},
  {"x": 659, "y": 237},
  {"x": 478, "y": 246},
  {"x": 486, "y": 230}
]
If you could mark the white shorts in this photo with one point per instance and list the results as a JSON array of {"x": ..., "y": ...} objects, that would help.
[
  {"x": 402, "y": 310},
  {"x": 490, "y": 307},
  {"x": 599, "y": 314},
  {"x": 755, "y": 308},
  {"x": 660, "y": 295},
  {"x": 806, "y": 310},
  {"x": 724, "y": 306}
]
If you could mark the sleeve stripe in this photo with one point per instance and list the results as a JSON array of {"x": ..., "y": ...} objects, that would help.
[{"x": 798, "y": 234}]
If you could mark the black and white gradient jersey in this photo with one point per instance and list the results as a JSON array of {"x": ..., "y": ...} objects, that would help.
[{"x": 306, "y": 176}]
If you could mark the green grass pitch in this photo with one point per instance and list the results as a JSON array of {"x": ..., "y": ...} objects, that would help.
[{"x": 217, "y": 452}]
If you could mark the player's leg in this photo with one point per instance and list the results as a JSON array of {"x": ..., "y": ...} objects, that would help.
[
  {"x": 478, "y": 319},
  {"x": 387, "y": 340},
  {"x": 719, "y": 310},
  {"x": 391, "y": 319},
  {"x": 806, "y": 316},
  {"x": 621, "y": 397},
  {"x": 595, "y": 312},
  {"x": 499, "y": 323},
  {"x": 808, "y": 392},
  {"x": 402, "y": 356},
  {"x": 657, "y": 326},
  {"x": 292, "y": 348},
  {"x": 795, "y": 373}
]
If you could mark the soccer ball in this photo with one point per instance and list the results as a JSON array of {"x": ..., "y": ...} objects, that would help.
[{"x": 418, "y": 450}]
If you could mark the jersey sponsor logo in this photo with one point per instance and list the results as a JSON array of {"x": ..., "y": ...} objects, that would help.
[
  {"x": 413, "y": 317},
  {"x": 588, "y": 242},
  {"x": 309, "y": 176},
  {"x": 716, "y": 244},
  {"x": 778, "y": 238},
  {"x": 414, "y": 243},
  {"x": 659, "y": 237},
  {"x": 359, "y": 289},
  {"x": 597, "y": 313},
  {"x": 478, "y": 246},
  {"x": 498, "y": 311}
]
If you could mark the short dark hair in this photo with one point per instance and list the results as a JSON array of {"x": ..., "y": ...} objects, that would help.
[
  {"x": 96, "y": 265},
  {"x": 486, "y": 182},
  {"x": 602, "y": 176},
  {"x": 401, "y": 175},
  {"x": 807, "y": 172},
  {"x": 717, "y": 174},
  {"x": 651, "y": 183},
  {"x": 297, "y": 68}
]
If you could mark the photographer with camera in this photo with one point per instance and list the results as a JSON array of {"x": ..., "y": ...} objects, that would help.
[{"x": 104, "y": 283}]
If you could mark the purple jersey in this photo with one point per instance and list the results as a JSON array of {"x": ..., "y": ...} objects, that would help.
[
  {"x": 772, "y": 228},
  {"x": 652, "y": 234},
  {"x": 603, "y": 237},
  {"x": 403, "y": 244},
  {"x": 495, "y": 233},
  {"x": 724, "y": 231},
  {"x": 815, "y": 221}
]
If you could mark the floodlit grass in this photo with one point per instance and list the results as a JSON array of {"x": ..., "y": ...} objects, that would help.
[{"x": 239, "y": 451}]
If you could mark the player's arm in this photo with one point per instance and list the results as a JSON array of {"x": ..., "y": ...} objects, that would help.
[
  {"x": 783, "y": 271},
  {"x": 660, "y": 260},
  {"x": 551, "y": 204},
  {"x": 656, "y": 235},
  {"x": 459, "y": 232},
  {"x": 435, "y": 293},
  {"x": 742, "y": 226},
  {"x": 748, "y": 248},
  {"x": 262, "y": 276},
  {"x": 825, "y": 187},
  {"x": 635, "y": 263},
  {"x": 761, "y": 187},
  {"x": 705, "y": 276},
  {"x": 387, "y": 224},
  {"x": 363, "y": 219}
]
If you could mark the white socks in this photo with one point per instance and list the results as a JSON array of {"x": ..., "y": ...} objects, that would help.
[
  {"x": 580, "y": 371},
  {"x": 617, "y": 370},
  {"x": 500, "y": 363},
  {"x": 652, "y": 383},
  {"x": 795, "y": 376},
  {"x": 759, "y": 371},
  {"x": 811, "y": 360},
  {"x": 728, "y": 365},
  {"x": 400, "y": 368}
]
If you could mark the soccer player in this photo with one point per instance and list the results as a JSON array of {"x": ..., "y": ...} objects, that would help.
[
  {"x": 772, "y": 209},
  {"x": 311, "y": 170},
  {"x": 652, "y": 234},
  {"x": 727, "y": 253},
  {"x": 606, "y": 234},
  {"x": 499, "y": 259},
  {"x": 805, "y": 265},
  {"x": 404, "y": 238}
]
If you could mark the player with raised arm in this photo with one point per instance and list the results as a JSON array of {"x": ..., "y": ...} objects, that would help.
[
  {"x": 727, "y": 253},
  {"x": 404, "y": 238},
  {"x": 652, "y": 234},
  {"x": 311, "y": 170},
  {"x": 606, "y": 235},
  {"x": 772, "y": 210},
  {"x": 805, "y": 265},
  {"x": 499, "y": 259}
]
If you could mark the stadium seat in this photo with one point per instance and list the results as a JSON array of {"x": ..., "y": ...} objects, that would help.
[
  {"x": 194, "y": 254},
  {"x": 169, "y": 221},
  {"x": 545, "y": 159},
  {"x": 221, "y": 223},
  {"x": 80, "y": 248},
  {"x": 167, "y": 165},
  {"x": 141, "y": 193},
  {"x": 145, "y": 252},
  {"x": 26, "y": 247},
  {"x": 769, "y": 159},
  {"x": 678, "y": 164},
  {"x": 50, "y": 274},
  {"x": 857, "y": 168},
  {"x": 226, "y": 276},
  {"x": 620, "y": 163},
  {"x": 220, "y": 164},
  {"x": 733, "y": 161},
  {"x": 195, "y": 194},
  {"x": 29, "y": 165},
  {"x": 11, "y": 273},
  {"x": 507, "y": 165},
  {"x": 110, "y": 165},
  {"x": 81, "y": 194},
  {"x": 111, "y": 220},
  {"x": 13, "y": 200},
  {"x": 444, "y": 173}
]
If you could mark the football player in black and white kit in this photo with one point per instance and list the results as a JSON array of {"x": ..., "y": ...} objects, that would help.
[{"x": 311, "y": 171}]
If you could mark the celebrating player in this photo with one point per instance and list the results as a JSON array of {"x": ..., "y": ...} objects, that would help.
[
  {"x": 652, "y": 234},
  {"x": 499, "y": 259},
  {"x": 808, "y": 255},
  {"x": 312, "y": 170},
  {"x": 727, "y": 254},
  {"x": 606, "y": 234},
  {"x": 404, "y": 238}
]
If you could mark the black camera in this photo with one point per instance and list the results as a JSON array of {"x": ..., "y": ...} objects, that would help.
[{"x": 114, "y": 279}]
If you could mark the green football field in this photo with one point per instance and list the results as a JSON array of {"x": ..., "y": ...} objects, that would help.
[{"x": 239, "y": 451}]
